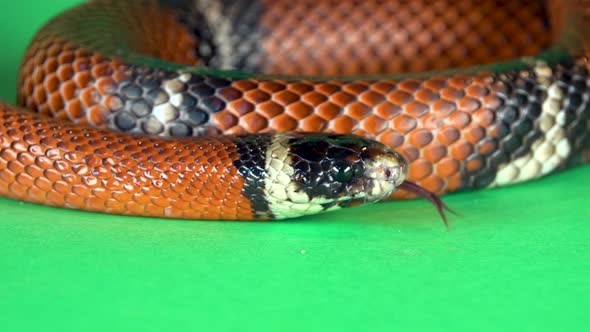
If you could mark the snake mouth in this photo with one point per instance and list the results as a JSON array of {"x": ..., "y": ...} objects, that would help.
[{"x": 387, "y": 172}]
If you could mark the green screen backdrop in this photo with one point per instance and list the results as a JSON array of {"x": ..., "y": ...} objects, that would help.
[{"x": 517, "y": 259}]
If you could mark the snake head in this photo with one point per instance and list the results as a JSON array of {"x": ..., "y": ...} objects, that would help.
[{"x": 311, "y": 173}]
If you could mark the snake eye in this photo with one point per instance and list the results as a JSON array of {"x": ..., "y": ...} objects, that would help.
[{"x": 342, "y": 171}]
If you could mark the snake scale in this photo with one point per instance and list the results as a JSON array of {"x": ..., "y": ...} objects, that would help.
[{"x": 270, "y": 109}]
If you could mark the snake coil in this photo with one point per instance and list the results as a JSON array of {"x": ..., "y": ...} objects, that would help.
[{"x": 210, "y": 109}]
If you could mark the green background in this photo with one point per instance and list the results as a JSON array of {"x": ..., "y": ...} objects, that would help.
[{"x": 517, "y": 258}]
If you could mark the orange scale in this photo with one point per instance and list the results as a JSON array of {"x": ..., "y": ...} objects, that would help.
[
  {"x": 253, "y": 122},
  {"x": 66, "y": 57},
  {"x": 443, "y": 107},
  {"x": 313, "y": 123},
  {"x": 81, "y": 190},
  {"x": 34, "y": 171},
  {"x": 74, "y": 201},
  {"x": 154, "y": 210},
  {"x": 36, "y": 194},
  {"x": 387, "y": 110},
  {"x": 373, "y": 124},
  {"x": 81, "y": 169},
  {"x": 391, "y": 138},
  {"x": 454, "y": 182},
  {"x": 38, "y": 76},
  {"x": 404, "y": 123},
  {"x": 24, "y": 179},
  {"x": 50, "y": 65},
  {"x": 342, "y": 98},
  {"x": 435, "y": 84},
  {"x": 105, "y": 85},
  {"x": 37, "y": 59},
  {"x": 399, "y": 97},
  {"x": 447, "y": 167},
  {"x": 7, "y": 178},
  {"x": 88, "y": 96},
  {"x": 410, "y": 153},
  {"x": 29, "y": 87},
  {"x": 426, "y": 96},
  {"x": 82, "y": 79},
  {"x": 483, "y": 117},
  {"x": 141, "y": 198},
  {"x": 416, "y": 109},
  {"x": 244, "y": 85},
  {"x": 15, "y": 166},
  {"x": 343, "y": 125},
  {"x": 452, "y": 94},
  {"x": 459, "y": 81},
  {"x": 473, "y": 165},
  {"x": 383, "y": 87},
  {"x": 371, "y": 98},
  {"x": 51, "y": 83},
  {"x": 68, "y": 90},
  {"x": 300, "y": 88},
  {"x": 54, "y": 49},
  {"x": 65, "y": 72},
  {"x": 122, "y": 196},
  {"x": 271, "y": 86},
  {"x": 433, "y": 183},
  {"x": 195, "y": 188},
  {"x": 469, "y": 104},
  {"x": 171, "y": 177},
  {"x": 186, "y": 197},
  {"x": 459, "y": 119},
  {"x": 160, "y": 201},
  {"x": 55, "y": 198},
  {"x": 283, "y": 123},
  {"x": 220, "y": 193},
  {"x": 256, "y": 96},
  {"x": 476, "y": 91},
  {"x": 299, "y": 110},
  {"x": 328, "y": 110},
  {"x": 215, "y": 204},
  {"x": 240, "y": 107},
  {"x": 111, "y": 184},
  {"x": 61, "y": 186},
  {"x": 434, "y": 152},
  {"x": 355, "y": 88},
  {"x": 420, "y": 138},
  {"x": 229, "y": 212},
  {"x": 179, "y": 205},
  {"x": 410, "y": 85},
  {"x": 419, "y": 169},
  {"x": 486, "y": 146},
  {"x": 473, "y": 134},
  {"x": 199, "y": 201},
  {"x": 133, "y": 208},
  {"x": 461, "y": 150}
]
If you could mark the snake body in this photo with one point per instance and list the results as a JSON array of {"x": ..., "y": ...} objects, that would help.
[{"x": 514, "y": 107}]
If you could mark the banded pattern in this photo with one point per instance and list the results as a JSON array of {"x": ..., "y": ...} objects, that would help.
[
  {"x": 238, "y": 177},
  {"x": 465, "y": 128}
]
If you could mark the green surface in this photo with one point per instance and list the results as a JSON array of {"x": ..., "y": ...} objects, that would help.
[{"x": 518, "y": 258}]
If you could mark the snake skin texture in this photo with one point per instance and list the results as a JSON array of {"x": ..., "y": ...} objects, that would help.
[
  {"x": 514, "y": 106},
  {"x": 45, "y": 161}
]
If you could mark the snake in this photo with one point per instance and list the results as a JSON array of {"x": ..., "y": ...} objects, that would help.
[{"x": 273, "y": 109}]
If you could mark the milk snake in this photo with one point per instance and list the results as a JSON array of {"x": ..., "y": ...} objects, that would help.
[{"x": 471, "y": 94}]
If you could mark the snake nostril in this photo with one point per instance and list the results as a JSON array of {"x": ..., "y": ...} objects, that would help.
[{"x": 388, "y": 174}]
